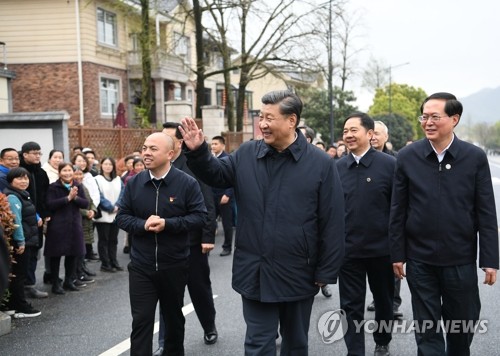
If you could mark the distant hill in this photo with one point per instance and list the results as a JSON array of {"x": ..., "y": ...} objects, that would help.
[{"x": 483, "y": 106}]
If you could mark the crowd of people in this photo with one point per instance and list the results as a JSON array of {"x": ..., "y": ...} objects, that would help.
[{"x": 306, "y": 216}]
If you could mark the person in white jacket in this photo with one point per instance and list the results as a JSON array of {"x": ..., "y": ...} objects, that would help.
[
  {"x": 90, "y": 183},
  {"x": 111, "y": 187}
]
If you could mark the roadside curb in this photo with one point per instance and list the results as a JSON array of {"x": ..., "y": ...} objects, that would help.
[{"x": 5, "y": 324}]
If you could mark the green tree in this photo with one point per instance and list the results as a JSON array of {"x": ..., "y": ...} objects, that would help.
[
  {"x": 400, "y": 130},
  {"x": 405, "y": 101},
  {"x": 316, "y": 113}
]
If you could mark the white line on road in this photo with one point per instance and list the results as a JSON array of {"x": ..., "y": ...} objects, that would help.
[{"x": 125, "y": 344}]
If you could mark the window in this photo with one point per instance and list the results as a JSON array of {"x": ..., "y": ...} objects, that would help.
[
  {"x": 109, "y": 95},
  {"x": 106, "y": 27},
  {"x": 182, "y": 47}
]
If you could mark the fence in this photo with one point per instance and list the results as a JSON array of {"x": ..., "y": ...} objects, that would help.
[{"x": 119, "y": 142}]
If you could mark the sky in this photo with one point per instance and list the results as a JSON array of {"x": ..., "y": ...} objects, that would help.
[{"x": 450, "y": 45}]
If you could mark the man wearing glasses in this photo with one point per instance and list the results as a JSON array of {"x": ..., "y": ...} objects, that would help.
[
  {"x": 442, "y": 203},
  {"x": 9, "y": 158},
  {"x": 39, "y": 183}
]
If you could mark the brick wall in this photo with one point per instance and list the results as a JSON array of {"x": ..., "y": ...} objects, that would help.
[{"x": 54, "y": 87}]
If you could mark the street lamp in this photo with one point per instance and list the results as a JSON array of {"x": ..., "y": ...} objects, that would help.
[
  {"x": 390, "y": 83},
  {"x": 330, "y": 72}
]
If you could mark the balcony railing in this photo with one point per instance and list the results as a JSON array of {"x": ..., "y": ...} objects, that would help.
[{"x": 164, "y": 65}]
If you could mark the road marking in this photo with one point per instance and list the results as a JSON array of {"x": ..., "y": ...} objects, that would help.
[{"x": 125, "y": 344}]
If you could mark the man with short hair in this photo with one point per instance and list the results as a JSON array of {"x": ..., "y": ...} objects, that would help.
[
  {"x": 39, "y": 183},
  {"x": 290, "y": 233},
  {"x": 160, "y": 206},
  {"x": 443, "y": 210},
  {"x": 367, "y": 177},
  {"x": 93, "y": 162},
  {"x": 308, "y": 133},
  {"x": 223, "y": 200},
  {"x": 9, "y": 158},
  {"x": 379, "y": 142}
]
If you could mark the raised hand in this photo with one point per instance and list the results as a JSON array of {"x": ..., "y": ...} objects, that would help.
[{"x": 192, "y": 135}]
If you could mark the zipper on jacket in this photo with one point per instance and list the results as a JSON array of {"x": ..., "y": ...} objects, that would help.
[{"x": 156, "y": 234}]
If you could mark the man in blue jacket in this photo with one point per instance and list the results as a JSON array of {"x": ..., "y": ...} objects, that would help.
[
  {"x": 290, "y": 232},
  {"x": 442, "y": 204},
  {"x": 366, "y": 176},
  {"x": 160, "y": 206}
]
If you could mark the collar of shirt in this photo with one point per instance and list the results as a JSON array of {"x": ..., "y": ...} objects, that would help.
[
  {"x": 296, "y": 148},
  {"x": 440, "y": 156},
  {"x": 162, "y": 177},
  {"x": 358, "y": 158}
]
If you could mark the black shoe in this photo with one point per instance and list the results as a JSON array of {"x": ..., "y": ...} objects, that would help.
[
  {"x": 117, "y": 267},
  {"x": 47, "y": 278},
  {"x": 32, "y": 292},
  {"x": 26, "y": 312},
  {"x": 92, "y": 257},
  {"x": 69, "y": 285},
  {"x": 79, "y": 284},
  {"x": 396, "y": 312},
  {"x": 57, "y": 289},
  {"x": 126, "y": 249},
  {"x": 381, "y": 350},
  {"x": 107, "y": 269},
  {"x": 86, "y": 279},
  {"x": 158, "y": 352},
  {"x": 326, "y": 291},
  {"x": 211, "y": 337},
  {"x": 371, "y": 306},
  {"x": 225, "y": 252}
]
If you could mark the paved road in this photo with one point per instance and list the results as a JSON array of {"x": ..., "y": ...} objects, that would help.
[{"x": 96, "y": 321}]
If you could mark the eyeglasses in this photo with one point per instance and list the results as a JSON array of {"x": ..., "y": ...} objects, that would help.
[
  {"x": 35, "y": 153},
  {"x": 433, "y": 118}
]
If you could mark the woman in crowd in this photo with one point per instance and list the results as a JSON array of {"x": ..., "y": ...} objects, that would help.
[
  {"x": 90, "y": 183},
  {"x": 51, "y": 167},
  {"x": 83, "y": 273},
  {"x": 110, "y": 186},
  {"x": 65, "y": 198},
  {"x": 26, "y": 219}
]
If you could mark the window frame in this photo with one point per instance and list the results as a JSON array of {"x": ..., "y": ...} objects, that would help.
[
  {"x": 109, "y": 113},
  {"x": 104, "y": 41}
]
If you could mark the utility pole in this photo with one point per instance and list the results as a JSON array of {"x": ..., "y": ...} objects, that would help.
[{"x": 390, "y": 83}]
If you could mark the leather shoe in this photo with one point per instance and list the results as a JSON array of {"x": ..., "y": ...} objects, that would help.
[
  {"x": 326, "y": 291},
  {"x": 107, "y": 269},
  {"x": 86, "y": 270},
  {"x": 381, "y": 350},
  {"x": 158, "y": 352},
  {"x": 32, "y": 292},
  {"x": 69, "y": 285},
  {"x": 225, "y": 252},
  {"x": 117, "y": 267},
  {"x": 211, "y": 337},
  {"x": 57, "y": 289}
]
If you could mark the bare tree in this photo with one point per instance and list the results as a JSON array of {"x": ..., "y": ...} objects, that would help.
[{"x": 376, "y": 74}]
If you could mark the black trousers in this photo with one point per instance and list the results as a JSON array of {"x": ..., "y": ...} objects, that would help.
[
  {"x": 200, "y": 291},
  {"x": 225, "y": 211},
  {"x": 107, "y": 243},
  {"x": 146, "y": 288},
  {"x": 352, "y": 291},
  {"x": 447, "y": 293},
  {"x": 262, "y": 321},
  {"x": 31, "y": 253},
  {"x": 69, "y": 268},
  {"x": 17, "y": 299}
]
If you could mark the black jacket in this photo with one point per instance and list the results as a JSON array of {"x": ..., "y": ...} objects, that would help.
[
  {"x": 367, "y": 191},
  {"x": 39, "y": 184},
  {"x": 207, "y": 233},
  {"x": 179, "y": 202},
  {"x": 439, "y": 209},
  {"x": 290, "y": 231}
]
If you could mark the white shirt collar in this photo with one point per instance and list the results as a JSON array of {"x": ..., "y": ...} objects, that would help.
[{"x": 440, "y": 156}]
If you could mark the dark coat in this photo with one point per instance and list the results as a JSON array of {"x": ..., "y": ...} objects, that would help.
[
  {"x": 207, "y": 233},
  {"x": 290, "y": 231},
  {"x": 64, "y": 235},
  {"x": 178, "y": 200},
  {"x": 39, "y": 183},
  {"x": 439, "y": 209},
  {"x": 367, "y": 191}
]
